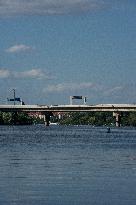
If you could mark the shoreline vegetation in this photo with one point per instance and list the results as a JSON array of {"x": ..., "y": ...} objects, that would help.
[
  {"x": 71, "y": 118},
  {"x": 97, "y": 119},
  {"x": 14, "y": 118}
]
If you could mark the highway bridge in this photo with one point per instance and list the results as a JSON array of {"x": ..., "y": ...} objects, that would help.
[
  {"x": 69, "y": 108},
  {"x": 47, "y": 110}
]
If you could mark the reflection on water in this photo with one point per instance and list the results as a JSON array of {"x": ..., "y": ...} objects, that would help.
[{"x": 71, "y": 165}]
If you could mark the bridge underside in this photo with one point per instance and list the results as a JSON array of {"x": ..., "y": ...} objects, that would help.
[{"x": 48, "y": 110}]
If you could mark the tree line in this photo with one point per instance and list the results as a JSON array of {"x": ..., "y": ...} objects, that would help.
[
  {"x": 97, "y": 118},
  {"x": 14, "y": 118},
  {"x": 71, "y": 118}
]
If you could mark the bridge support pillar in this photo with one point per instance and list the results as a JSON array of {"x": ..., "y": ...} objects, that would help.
[
  {"x": 117, "y": 116},
  {"x": 47, "y": 118}
]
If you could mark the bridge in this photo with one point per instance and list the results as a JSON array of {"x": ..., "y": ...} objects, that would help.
[{"x": 48, "y": 110}]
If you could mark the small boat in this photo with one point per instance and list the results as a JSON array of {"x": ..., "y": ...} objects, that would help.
[{"x": 53, "y": 123}]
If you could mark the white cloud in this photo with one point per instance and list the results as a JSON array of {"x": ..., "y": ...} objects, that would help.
[
  {"x": 34, "y": 73},
  {"x": 114, "y": 91},
  {"x": 4, "y": 73},
  {"x": 29, "y": 74},
  {"x": 68, "y": 87},
  {"x": 48, "y": 7},
  {"x": 18, "y": 48},
  {"x": 123, "y": 93}
]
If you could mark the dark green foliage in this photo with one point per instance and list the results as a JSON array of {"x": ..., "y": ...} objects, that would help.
[
  {"x": 71, "y": 118},
  {"x": 23, "y": 118},
  {"x": 129, "y": 119},
  {"x": 7, "y": 118},
  {"x": 37, "y": 120},
  {"x": 88, "y": 118},
  {"x": 1, "y": 119},
  {"x": 14, "y": 118},
  {"x": 98, "y": 118}
]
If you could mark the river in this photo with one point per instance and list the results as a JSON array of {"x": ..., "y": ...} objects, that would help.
[{"x": 67, "y": 165}]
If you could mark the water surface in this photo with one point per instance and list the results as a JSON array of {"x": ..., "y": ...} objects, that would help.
[{"x": 67, "y": 165}]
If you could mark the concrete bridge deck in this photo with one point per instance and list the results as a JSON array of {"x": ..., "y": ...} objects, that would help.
[{"x": 69, "y": 108}]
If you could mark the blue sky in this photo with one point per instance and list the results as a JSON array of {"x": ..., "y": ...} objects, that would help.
[{"x": 51, "y": 49}]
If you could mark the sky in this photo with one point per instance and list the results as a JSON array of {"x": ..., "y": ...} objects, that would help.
[{"x": 53, "y": 49}]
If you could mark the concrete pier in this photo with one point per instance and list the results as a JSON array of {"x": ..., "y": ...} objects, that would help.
[
  {"x": 47, "y": 120},
  {"x": 117, "y": 116},
  {"x": 47, "y": 116}
]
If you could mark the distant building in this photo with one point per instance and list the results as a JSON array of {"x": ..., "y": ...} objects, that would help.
[{"x": 36, "y": 115}]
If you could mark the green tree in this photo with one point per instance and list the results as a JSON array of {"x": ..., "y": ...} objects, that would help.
[
  {"x": 88, "y": 118},
  {"x": 132, "y": 119},
  {"x": 23, "y": 118},
  {"x": 7, "y": 118},
  {"x": 1, "y": 118}
]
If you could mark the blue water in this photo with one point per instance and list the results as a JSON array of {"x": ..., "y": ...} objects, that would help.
[{"x": 67, "y": 165}]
